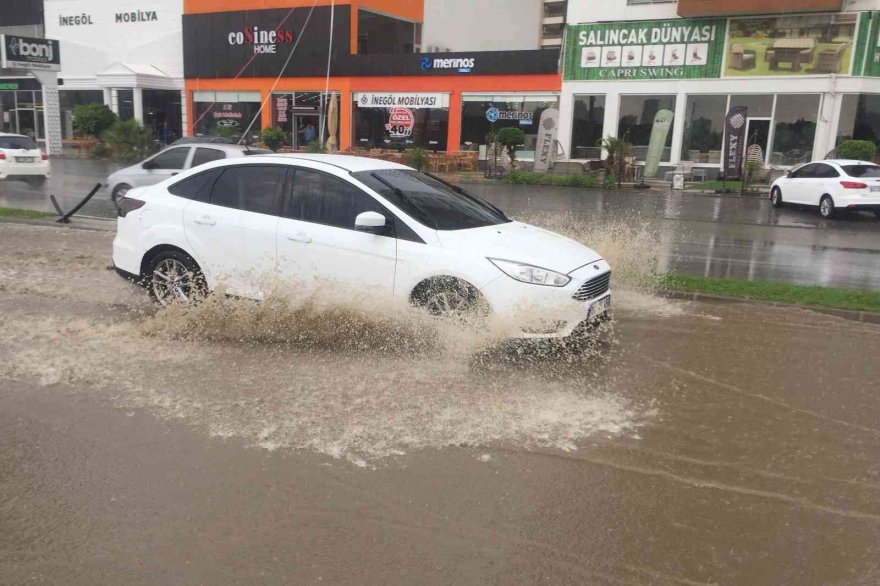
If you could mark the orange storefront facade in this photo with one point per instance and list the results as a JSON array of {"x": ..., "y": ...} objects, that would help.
[{"x": 266, "y": 66}]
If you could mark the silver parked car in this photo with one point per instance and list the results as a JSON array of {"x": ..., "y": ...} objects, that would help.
[{"x": 172, "y": 161}]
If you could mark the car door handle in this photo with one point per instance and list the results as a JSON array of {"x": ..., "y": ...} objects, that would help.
[
  {"x": 206, "y": 220},
  {"x": 300, "y": 238}
]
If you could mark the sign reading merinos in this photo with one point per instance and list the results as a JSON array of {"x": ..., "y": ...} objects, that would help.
[{"x": 656, "y": 49}]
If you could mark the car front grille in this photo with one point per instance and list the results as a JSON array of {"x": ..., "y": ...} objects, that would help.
[{"x": 593, "y": 288}]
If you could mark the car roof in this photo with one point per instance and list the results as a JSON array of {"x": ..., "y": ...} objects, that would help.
[
  {"x": 237, "y": 148},
  {"x": 15, "y": 135},
  {"x": 346, "y": 162},
  {"x": 847, "y": 162}
]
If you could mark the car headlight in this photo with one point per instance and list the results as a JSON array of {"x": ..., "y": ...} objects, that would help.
[{"x": 531, "y": 274}]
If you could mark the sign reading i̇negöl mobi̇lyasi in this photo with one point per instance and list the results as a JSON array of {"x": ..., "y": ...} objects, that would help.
[{"x": 656, "y": 49}]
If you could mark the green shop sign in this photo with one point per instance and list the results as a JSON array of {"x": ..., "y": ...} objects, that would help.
[
  {"x": 867, "y": 54},
  {"x": 9, "y": 86},
  {"x": 654, "y": 49}
]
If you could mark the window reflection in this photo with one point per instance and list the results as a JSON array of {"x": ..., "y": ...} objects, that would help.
[{"x": 637, "y": 120}]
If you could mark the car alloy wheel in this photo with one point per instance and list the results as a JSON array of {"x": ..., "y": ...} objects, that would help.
[
  {"x": 171, "y": 282},
  {"x": 826, "y": 207},
  {"x": 448, "y": 303},
  {"x": 776, "y": 198}
]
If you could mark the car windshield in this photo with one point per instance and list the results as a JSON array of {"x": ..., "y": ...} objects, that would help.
[
  {"x": 432, "y": 202},
  {"x": 17, "y": 142},
  {"x": 861, "y": 170}
]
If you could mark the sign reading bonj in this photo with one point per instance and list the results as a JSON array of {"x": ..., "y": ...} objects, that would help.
[{"x": 18, "y": 52}]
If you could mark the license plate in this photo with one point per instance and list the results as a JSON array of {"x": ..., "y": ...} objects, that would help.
[
  {"x": 875, "y": 188},
  {"x": 599, "y": 307},
  {"x": 24, "y": 159}
]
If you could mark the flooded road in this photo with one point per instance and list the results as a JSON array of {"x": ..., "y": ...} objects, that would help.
[{"x": 312, "y": 443}]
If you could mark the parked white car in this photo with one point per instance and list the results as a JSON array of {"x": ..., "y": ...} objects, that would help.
[
  {"x": 365, "y": 223},
  {"x": 20, "y": 158},
  {"x": 172, "y": 161},
  {"x": 830, "y": 185}
]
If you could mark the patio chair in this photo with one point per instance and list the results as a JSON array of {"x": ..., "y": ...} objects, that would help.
[
  {"x": 829, "y": 59},
  {"x": 684, "y": 168},
  {"x": 741, "y": 58}
]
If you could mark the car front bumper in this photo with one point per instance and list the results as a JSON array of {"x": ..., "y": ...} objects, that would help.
[{"x": 524, "y": 310}]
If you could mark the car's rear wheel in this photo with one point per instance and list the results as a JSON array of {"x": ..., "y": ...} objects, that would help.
[
  {"x": 174, "y": 277},
  {"x": 776, "y": 197},
  {"x": 826, "y": 207},
  {"x": 120, "y": 191}
]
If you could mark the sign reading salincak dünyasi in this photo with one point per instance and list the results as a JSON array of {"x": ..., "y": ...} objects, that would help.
[
  {"x": 17, "y": 52},
  {"x": 654, "y": 49}
]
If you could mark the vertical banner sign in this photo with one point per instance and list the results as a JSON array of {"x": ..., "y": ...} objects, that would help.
[
  {"x": 545, "y": 148},
  {"x": 657, "y": 142},
  {"x": 734, "y": 139}
]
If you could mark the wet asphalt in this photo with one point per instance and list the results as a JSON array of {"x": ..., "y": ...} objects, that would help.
[
  {"x": 729, "y": 236},
  {"x": 698, "y": 444}
]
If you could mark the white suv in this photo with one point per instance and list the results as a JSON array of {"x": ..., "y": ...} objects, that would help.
[
  {"x": 21, "y": 158},
  {"x": 359, "y": 221}
]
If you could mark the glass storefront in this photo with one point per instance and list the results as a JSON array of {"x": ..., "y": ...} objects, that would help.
[
  {"x": 859, "y": 118},
  {"x": 482, "y": 115},
  {"x": 704, "y": 129},
  {"x": 587, "y": 127},
  {"x": 69, "y": 100},
  {"x": 795, "y": 128},
  {"x": 227, "y": 114},
  {"x": 637, "y": 120},
  {"x": 21, "y": 112},
  {"x": 400, "y": 127},
  {"x": 162, "y": 114},
  {"x": 302, "y": 115}
]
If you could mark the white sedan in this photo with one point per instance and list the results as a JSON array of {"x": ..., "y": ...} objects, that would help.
[
  {"x": 830, "y": 185},
  {"x": 365, "y": 223},
  {"x": 21, "y": 158}
]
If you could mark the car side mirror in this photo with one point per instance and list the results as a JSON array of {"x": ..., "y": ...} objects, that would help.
[
  {"x": 371, "y": 222},
  {"x": 150, "y": 165},
  {"x": 788, "y": 173}
]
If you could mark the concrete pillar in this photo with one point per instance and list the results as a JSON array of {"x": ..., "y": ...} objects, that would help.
[
  {"x": 678, "y": 127},
  {"x": 51, "y": 110},
  {"x": 114, "y": 100},
  {"x": 138, "y": 99},
  {"x": 184, "y": 119},
  {"x": 566, "y": 120},
  {"x": 108, "y": 98}
]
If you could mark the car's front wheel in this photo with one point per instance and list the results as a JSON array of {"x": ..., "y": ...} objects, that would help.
[
  {"x": 174, "y": 277},
  {"x": 776, "y": 197},
  {"x": 120, "y": 191},
  {"x": 449, "y": 297},
  {"x": 826, "y": 207}
]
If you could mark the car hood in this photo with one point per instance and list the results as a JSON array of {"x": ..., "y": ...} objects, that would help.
[{"x": 520, "y": 242}]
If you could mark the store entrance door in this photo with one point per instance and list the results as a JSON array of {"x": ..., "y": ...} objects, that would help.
[
  {"x": 302, "y": 134},
  {"x": 758, "y": 133}
]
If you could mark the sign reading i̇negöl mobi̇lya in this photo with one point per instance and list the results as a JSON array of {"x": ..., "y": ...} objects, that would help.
[{"x": 656, "y": 49}]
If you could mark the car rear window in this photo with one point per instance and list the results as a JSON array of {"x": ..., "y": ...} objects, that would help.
[
  {"x": 17, "y": 142},
  {"x": 861, "y": 170}
]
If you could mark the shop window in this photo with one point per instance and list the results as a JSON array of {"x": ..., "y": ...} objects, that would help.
[
  {"x": 125, "y": 104},
  {"x": 69, "y": 100},
  {"x": 703, "y": 129},
  {"x": 587, "y": 127},
  {"x": 483, "y": 115},
  {"x": 794, "y": 128},
  {"x": 859, "y": 118},
  {"x": 759, "y": 106},
  {"x": 637, "y": 120},
  {"x": 379, "y": 34},
  {"x": 302, "y": 115},
  {"x": 162, "y": 114},
  {"x": 227, "y": 114},
  {"x": 401, "y": 128}
]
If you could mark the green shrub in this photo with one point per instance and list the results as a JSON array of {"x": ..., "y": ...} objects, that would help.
[
  {"x": 530, "y": 178},
  {"x": 417, "y": 158},
  {"x": 315, "y": 147},
  {"x": 273, "y": 138},
  {"x": 93, "y": 119},
  {"x": 860, "y": 150},
  {"x": 100, "y": 151},
  {"x": 510, "y": 138},
  {"x": 129, "y": 140}
]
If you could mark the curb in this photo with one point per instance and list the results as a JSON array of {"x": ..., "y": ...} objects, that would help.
[
  {"x": 83, "y": 223},
  {"x": 848, "y": 314}
]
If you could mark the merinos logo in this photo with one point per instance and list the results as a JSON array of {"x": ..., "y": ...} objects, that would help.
[
  {"x": 263, "y": 41},
  {"x": 462, "y": 64},
  {"x": 426, "y": 63}
]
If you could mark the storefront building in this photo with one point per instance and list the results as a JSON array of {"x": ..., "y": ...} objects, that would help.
[
  {"x": 807, "y": 81},
  {"x": 127, "y": 56},
  {"x": 242, "y": 79}
]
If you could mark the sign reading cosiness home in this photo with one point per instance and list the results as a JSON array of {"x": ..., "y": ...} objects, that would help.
[{"x": 656, "y": 49}]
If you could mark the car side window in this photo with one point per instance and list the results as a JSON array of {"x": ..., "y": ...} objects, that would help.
[
  {"x": 804, "y": 172},
  {"x": 825, "y": 171},
  {"x": 252, "y": 188},
  {"x": 323, "y": 199},
  {"x": 197, "y": 187},
  {"x": 171, "y": 159},
  {"x": 205, "y": 155}
]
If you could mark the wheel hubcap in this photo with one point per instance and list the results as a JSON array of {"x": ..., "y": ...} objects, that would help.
[
  {"x": 826, "y": 207},
  {"x": 774, "y": 197},
  {"x": 172, "y": 282},
  {"x": 447, "y": 304}
]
